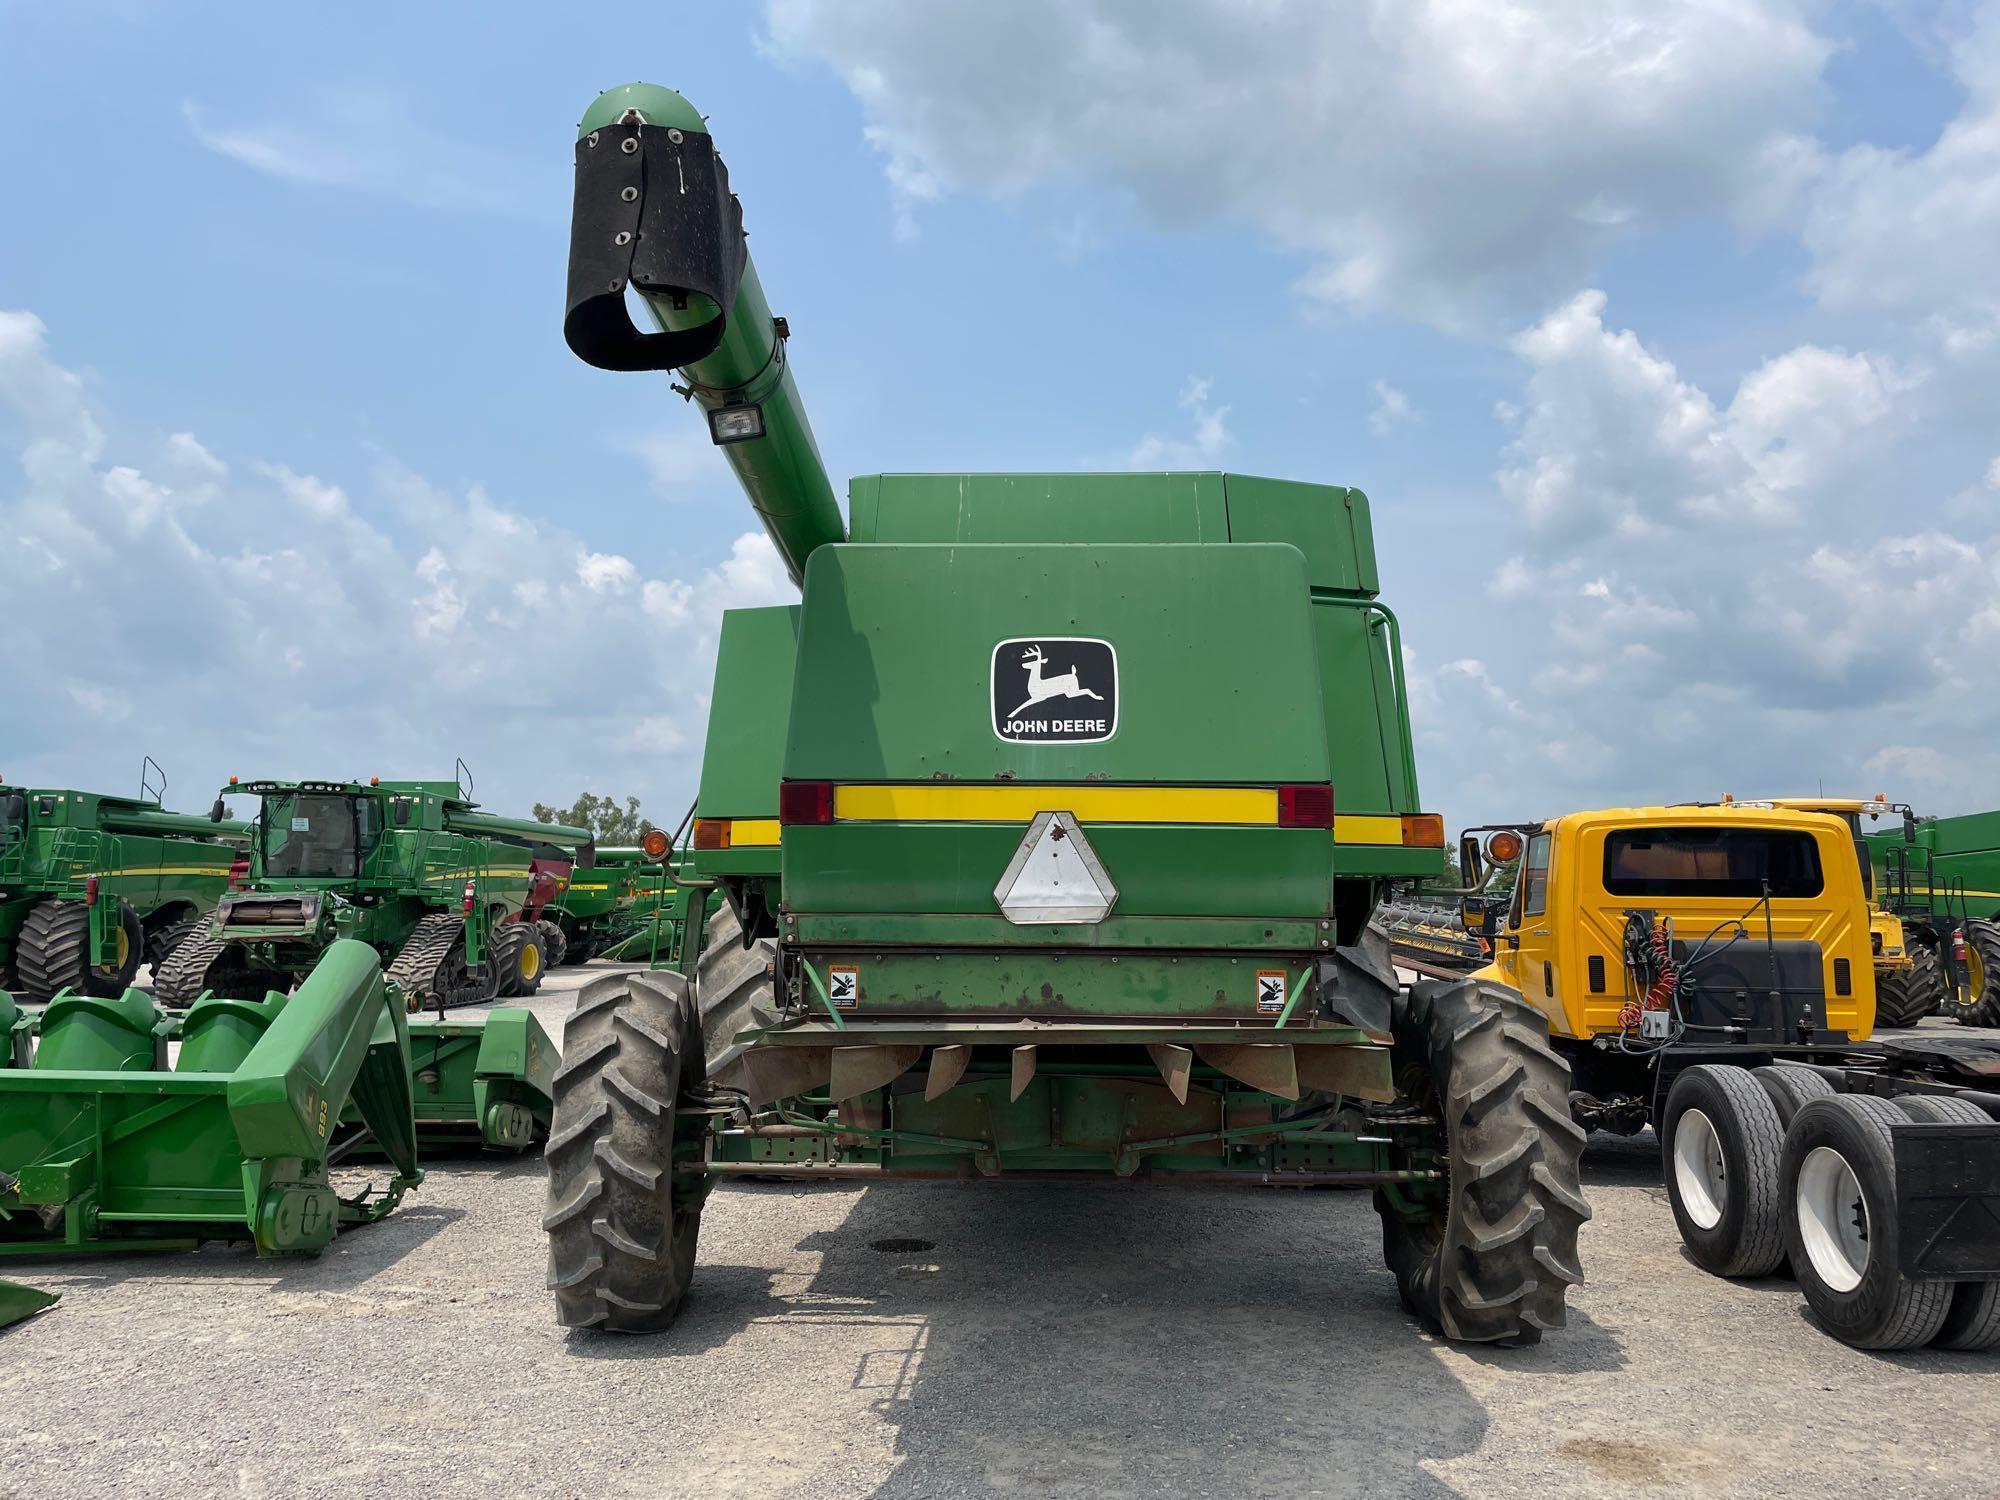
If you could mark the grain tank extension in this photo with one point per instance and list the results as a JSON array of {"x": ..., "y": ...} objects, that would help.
[{"x": 1048, "y": 825}]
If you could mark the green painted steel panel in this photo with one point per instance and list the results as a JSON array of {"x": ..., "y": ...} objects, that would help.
[
  {"x": 1157, "y": 507},
  {"x": 1217, "y": 673},
  {"x": 748, "y": 710},
  {"x": 1330, "y": 525},
  {"x": 1160, "y": 870}
]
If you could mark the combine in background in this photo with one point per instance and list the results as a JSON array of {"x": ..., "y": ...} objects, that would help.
[
  {"x": 91, "y": 886},
  {"x": 411, "y": 868},
  {"x": 1942, "y": 876}
]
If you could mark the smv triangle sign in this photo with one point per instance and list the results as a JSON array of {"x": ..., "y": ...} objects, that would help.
[{"x": 1055, "y": 876}]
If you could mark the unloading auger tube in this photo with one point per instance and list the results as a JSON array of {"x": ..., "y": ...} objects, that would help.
[
  {"x": 487, "y": 825},
  {"x": 653, "y": 212}
]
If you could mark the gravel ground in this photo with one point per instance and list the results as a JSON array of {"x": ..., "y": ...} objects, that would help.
[{"x": 1086, "y": 1340}]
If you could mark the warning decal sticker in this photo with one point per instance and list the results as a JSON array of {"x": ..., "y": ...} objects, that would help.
[
  {"x": 843, "y": 986},
  {"x": 1054, "y": 690},
  {"x": 1270, "y": 991}
]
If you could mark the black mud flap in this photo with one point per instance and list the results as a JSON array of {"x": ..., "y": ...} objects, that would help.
[
  {"x": 653, "y": 208},
  {"x": 1948, "y": 1201}
]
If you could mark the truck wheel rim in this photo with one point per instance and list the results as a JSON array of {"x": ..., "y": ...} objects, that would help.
[
  {"x": 1833, "y": 1218},
  {"x": 1698, "y": 1169}
]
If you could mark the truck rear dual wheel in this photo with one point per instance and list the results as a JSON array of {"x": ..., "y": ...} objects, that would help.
[
  {"x": 622, "y": 1227},
  {"x": 1720, "y": 1140},
  {"x": 1838, "y": 1181},
  {"x": 52, "y": 952},
  {"x": 1973, "y": 1319},
  {"x": 1904, "y": 996},
  {"x": 1497, "y": 1256}
]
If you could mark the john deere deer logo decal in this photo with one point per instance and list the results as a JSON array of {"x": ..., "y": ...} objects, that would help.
[{"x": 1047, "y": 690}]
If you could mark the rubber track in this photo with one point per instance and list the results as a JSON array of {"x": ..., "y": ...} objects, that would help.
[
  {"x": 430, "y": 943},
  {"x": 179, "y": 982},
  {"x": 1904, "y": 997},
  {"x": 620, "y": 1257},
  {"x": 160, "y": 946},
  {"x": 735, "y": 990},
  {"x": 1985, "y": 1007},
  {"x": 52, "y": 949},
  {"x": 1509, "y": 1250},
  {"x": 1973, "y": 1320}
]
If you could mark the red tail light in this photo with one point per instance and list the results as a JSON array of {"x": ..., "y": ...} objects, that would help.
[
  {"x": 90, "y": 891},
  {"x": 805, "y": 802},
  {"x": 1957, "y": 946},
  {"x": 1305, "y": 804},
  {"x": 468, "y": 898}
]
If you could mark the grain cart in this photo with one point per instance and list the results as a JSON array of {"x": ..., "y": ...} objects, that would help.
[
  {"x": 411, "y": 868},
  {"x": 92, "y": 885},
  {"x": 1942, "y": 875},
  {"x": 1088, "y": 785}
]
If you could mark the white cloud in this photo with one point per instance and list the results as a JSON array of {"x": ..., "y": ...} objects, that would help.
[
  {"x": 1208, "y": 436},
  {"x": 284, "y": 631},
  {"x": 359, "y": 140},
  {"x": 1613, "y": 442},
  {"x": 1453, "y": 160},
  {"x": 682, "y": 462},
  {"x": 1911, "y": 233},
  {"x": 1391, "y": 409}
]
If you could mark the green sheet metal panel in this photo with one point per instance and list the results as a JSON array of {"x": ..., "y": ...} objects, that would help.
[
  {"x": 1328, "y": 524},
  {"x": 1217, "y": 669},
  {"x": 1154, "y": 507},
  {"x": 741, "y": 762}
]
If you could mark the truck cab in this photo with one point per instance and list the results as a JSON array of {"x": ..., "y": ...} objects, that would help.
[{"x": 1653, "y": 937}]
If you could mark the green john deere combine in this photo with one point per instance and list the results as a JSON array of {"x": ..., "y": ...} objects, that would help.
[
  {"x": 1941, "y": 876},
  {"x": 126, "y": 1127},
  {"x": 1049, "y": 826},
  {"x": 443, "y": 892},
  {"x": 91, "y": 886},
  {"x": 603, "y": 908}
]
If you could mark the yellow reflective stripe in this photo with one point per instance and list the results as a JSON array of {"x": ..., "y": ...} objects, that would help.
[
  {"x": 1359, "y": 828},
  {"x": 931, "y": 803},
  {"x": 135, "y": 872},
  {"x": 753, "y": 833}
]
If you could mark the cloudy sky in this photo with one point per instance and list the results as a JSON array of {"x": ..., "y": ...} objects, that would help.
[{"x": 1665, "y": 338}]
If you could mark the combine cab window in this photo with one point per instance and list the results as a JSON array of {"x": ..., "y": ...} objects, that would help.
[
  {"x": 1711, "y": 862},
  {"x": 311, "y": 836}
]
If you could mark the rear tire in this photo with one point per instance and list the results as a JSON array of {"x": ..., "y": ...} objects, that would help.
[
  {"x": 516, "y": 956},
  {"x": 1973, "y": 1319},
  {"x": 1982, "y": 1007},
  {"x": 169, "y": 937},
  {"x": 1496, "y": 1259},
  {"x": 1720, "y": 1141},
  {"x": 1790, "y": 1088},
  {"x": 53, "y": 952},
  {"x": 1905, "y": 996},
  {"x": 1839, "y": 1184},
  {"x": 555, "y": 946},
  {"x": 735, "y": 990},
  {"x": 622, "y": 1229}
]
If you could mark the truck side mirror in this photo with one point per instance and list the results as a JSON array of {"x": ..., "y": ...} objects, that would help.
[
  {"x": 1471, "y": 866},
  {"x": 218, "y": 812}
]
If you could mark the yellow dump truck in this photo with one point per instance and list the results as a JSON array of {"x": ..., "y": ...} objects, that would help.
[{"x": 1658, "y": 938}]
